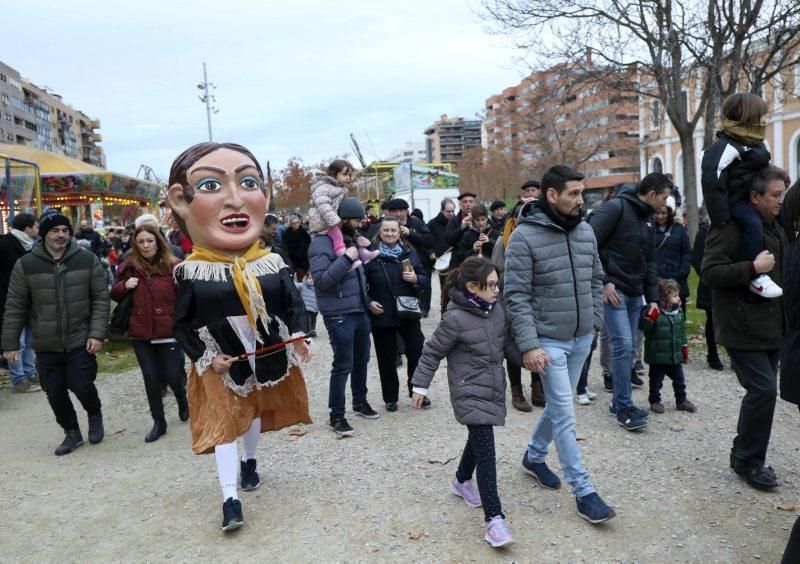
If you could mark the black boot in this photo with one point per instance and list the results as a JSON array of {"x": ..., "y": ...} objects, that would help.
[
  {"x": 231, "y": 514},
  {"x": 183, "y": 408},
  {"x": 96, "y": 432},
  {"x": 72, "y": 440},
  {"x": 714, "y": 362},
  {"x": 159, "y": 428}
]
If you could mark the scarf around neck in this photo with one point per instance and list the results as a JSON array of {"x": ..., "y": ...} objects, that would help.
[
  {"x": 567, "y": 223},
  {"x": 390, "y": 252},
  {"x": 24, "y": 239},
  {"x": 750, "y": 135},
  {"x": 476, "y": 301},
  {"x": 204, "y": 264}
]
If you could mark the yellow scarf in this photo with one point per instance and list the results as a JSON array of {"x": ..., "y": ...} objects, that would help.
[
  {"x": 511, "y": 224},
  {"x": 247, "y": 287},
  {"x": 750, "y": 135}
]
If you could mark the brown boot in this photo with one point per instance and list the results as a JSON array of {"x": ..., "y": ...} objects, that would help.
[
  {"x": 537, "y": 394},
  {"x": 518, "y": 399}
]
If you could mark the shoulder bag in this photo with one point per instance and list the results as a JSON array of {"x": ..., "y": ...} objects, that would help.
[{"x": 407, "y": 307}]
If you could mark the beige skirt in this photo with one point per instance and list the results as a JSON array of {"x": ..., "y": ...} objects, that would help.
[{"x": 218, "y": 416}]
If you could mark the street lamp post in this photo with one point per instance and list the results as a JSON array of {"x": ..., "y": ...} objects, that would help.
[{"x": 208, "y": 99}]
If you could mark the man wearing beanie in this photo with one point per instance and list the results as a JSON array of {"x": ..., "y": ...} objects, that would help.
[{"x": 59, "y": 290}]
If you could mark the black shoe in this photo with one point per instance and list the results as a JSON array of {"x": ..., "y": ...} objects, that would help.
[
  {"x": 426, "y": 403},
  {"x": 183, "y": 409},
  {"x": 391, "y": 407},
  {"x": 608, "y": 384},
  {"x": 250, "y": 479},
  {"x": 72, "y": 440},
  {"x": 635, "y": 412},
  {"x": 365, "y": 410},
  {"x": 232, "y": 515},
  {"x": 761, "y": 478},
  {"x": 159, "y": 428},
  {"x": 341, "y": 427},
  {"x": 715, "y": 363},
  {"x": 636, "y": 382},
  {"x": 96, "y": 432},
  {"x": 628, "y": 422}
]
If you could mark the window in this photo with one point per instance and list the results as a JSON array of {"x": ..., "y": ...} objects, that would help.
[
  {"x": 655, "y": 115},
  {"x": 658, "y": 166},
  {"x": 3, "y": 78},
  {"x": 10, "y": 137},
  {"x": 796, "y": 85}
]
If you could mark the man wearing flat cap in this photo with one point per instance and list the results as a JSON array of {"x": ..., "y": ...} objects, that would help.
[{"x": 462, "y": 220}]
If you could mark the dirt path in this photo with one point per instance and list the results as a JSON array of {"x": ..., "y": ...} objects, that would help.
[{"x": 358, "y": 499}]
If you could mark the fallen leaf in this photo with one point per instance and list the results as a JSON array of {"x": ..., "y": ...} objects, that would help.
[
  {"x": 785, "y": 506},
  {"x": 297, "y": 432},
  {"x": 442, "y": 463},
  {"x": 414, "y": 534},
  {"x": 293, "y": 437}
]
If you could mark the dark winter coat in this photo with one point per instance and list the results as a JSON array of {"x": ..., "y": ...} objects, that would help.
[
  {"x": 438, "y": 228},
  {"x": 664, "y": 338},
  {"x": 727, "y": 171},
  {"x": 10, "y": 251},
  {"x": 674, "y": 255},
  {"x": 703, "y": 300},
  {"x": 552, "y": 280},
  {"x": 464, "y": 249},
  {"x": 277, "y": 246},
  {"x": 454, "y": 232},
  {"x": 475, "y": 342},
  {"x": 64, "y": 303},
  {"x": 380, "y": 291},
  {"x": 790, "y": 354},
  {"x": 339, "y": 289},
  {"x": 153, "y": 302},
  {"x": 624, "y": 229},
  {"x": 296, "y": 242},
  {"x": 743, "y": 320}
]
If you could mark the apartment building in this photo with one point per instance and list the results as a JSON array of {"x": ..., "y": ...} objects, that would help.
[
  {"x": 566, "y": 115},
  {"x": 37, "y": 117},
  {"x": 660, "y": 149},
  {"x": 411, "y": 152},
  {"x": 447, "y": 137}
]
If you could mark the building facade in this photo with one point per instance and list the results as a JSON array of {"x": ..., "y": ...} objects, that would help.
[
  {"x": 411, "y": 152},
  {"x": 446, "y": 138},
  {"x": 39, "y": 118},
  {"x": 559, "y": 116},
  {"x": 661, "y": 149}
]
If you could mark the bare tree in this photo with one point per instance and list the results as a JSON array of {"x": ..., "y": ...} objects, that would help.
[
  {"x": 662, "y": 43},
  {"x": 490, "y": 174}
]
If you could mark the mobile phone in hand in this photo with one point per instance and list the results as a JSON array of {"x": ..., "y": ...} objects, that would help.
[{"x": 407, "y": 266}]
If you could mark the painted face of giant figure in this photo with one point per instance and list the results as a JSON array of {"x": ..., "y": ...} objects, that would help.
[{"x": 217, "y": 192}]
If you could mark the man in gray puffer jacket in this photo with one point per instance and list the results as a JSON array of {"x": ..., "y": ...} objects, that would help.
[
  {"x": 553, "y": 286},
  {"x": 59, "y": 290}
]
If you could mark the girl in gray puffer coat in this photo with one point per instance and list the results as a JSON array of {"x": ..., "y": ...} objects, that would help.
[{"x": 475, "y": 336}]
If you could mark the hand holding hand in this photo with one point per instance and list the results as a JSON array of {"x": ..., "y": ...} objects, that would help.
[
  {"x": 131, "y": 283},
  {"x": 352, "y": 252},
  {"x": 416, "y": 400},
  {"x": 375, "y": 308},
  {"x": 535, "y": 360},
  {"x": 765, "y": 262},
  {"x": 11, "y": 356},
  {"x": 222, "y": 363},
  {"x": 610, "y": 295},
  {"x": 410, "y": 277}
]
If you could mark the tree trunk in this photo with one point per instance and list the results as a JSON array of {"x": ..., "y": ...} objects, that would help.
[{"x": 689, "y": 164}]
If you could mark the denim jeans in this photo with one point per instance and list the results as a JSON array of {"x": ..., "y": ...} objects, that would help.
[
  {"x": 583, "y": 381},
  {"x": 622, "y": 323},
  {"x": 24, "y": 369},
  {"x": 557, "y": 422},
  {"x": 349, "y": 336}
]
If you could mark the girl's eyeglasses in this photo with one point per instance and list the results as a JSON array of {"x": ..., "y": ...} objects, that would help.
[{"x": 492, "y": 285}]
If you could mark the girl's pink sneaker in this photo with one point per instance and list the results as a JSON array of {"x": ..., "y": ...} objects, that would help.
[
  {"x": 467, "y": 491},
  {"x": 366, "y": 255},
  {"x": 497, "y": 533}
]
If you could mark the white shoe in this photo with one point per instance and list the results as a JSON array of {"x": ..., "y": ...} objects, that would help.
[
  {"x": 765, "y": 287},
  {"x": 590, "y": 394},
  {"x": 583, "y": 399}
]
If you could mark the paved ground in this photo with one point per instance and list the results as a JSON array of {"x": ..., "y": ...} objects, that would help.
[{"x": 359, "y": 498}]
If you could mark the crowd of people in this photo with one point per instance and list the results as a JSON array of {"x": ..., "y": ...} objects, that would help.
[{"x": 540, "y": 288}]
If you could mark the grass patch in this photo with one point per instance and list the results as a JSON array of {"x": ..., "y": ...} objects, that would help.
[{"x": 116, "y": 356}]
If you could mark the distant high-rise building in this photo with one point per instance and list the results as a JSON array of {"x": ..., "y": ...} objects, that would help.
[
  {"x": 35, "y": 116},
  {"x": 410, "y": 153},
  {"x": 446, "y": 138}
]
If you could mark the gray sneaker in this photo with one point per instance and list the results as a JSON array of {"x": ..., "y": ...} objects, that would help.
[{"x": 26, "y": 387}]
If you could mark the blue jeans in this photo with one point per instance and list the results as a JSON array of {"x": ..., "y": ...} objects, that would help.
[
  {"x": 349, "y": 335},
  {"x": 622, "y": 323},
  {"x": 557, "y": 422},
  {"x": 24, "y": 369}
]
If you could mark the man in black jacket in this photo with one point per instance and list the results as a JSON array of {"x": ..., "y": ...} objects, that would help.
[
  {"x": 438, "y": 226},
  {"x": 460, "y": 223},
  {"x": 624, "y": 230},
  {"x": 749, "y": 326},
  {"x": 13, "y": 245}
]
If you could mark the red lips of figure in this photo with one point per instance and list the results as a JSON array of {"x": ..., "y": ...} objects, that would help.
[{"x": 236, "y": 222}]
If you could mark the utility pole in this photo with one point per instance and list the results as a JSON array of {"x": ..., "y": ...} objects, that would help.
[{"x": 208, "y": 99}]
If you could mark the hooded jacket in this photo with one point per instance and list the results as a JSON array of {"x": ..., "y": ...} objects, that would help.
[
  {"x": 474, "y": 342},
  {"x": 664, "y": 338},
  {"x": 326, "y": 195},
  {"x": 553, "y": 280},
  {"x": 64, "y": 302},
  {"x": 624, "y": 230}
]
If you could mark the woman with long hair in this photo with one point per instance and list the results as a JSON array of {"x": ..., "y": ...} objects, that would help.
[
  {"x": 673, "y": 250},
  {"x": 397, "y": 271},
  {"x": 147, "y": 273}
]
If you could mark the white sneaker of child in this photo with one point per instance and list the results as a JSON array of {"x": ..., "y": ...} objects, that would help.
[{"x": 765, "y": 287}]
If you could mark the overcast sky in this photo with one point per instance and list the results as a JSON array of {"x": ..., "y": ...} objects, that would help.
[{"x": 294, "y": 78}]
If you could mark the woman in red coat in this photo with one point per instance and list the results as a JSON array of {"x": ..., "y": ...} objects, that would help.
[{"x": 148, "y": 274}]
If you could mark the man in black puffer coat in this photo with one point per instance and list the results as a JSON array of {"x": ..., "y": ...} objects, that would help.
[{"x": 624, "y": 229}]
